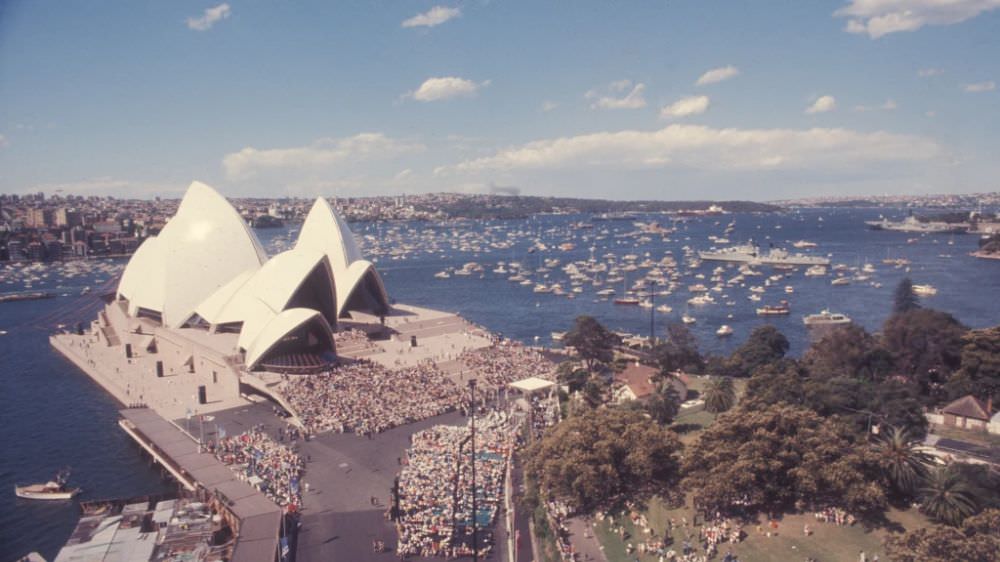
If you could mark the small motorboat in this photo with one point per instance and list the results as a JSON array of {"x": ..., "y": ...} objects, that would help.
[
  {"x": 724, "y": 330},
  {"x": 55, "y": 489}
]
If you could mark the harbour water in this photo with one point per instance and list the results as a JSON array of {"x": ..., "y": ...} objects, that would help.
[{"x": 52, "y": 416}]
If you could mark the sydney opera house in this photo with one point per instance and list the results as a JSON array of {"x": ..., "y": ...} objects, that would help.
[
  {"x": 207, "y": 271},
  {"x": 202, "y": 310}
]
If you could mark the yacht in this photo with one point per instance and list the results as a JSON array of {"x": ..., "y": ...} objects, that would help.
[
  {"x": 774, "y": 310},
  {"x": 825, "y": 318}
]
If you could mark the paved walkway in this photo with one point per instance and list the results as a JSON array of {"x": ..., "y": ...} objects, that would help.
[{"x": 581, "y": 536}]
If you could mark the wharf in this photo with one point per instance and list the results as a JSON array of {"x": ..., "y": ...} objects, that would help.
[{"x": 254, "y": 519}]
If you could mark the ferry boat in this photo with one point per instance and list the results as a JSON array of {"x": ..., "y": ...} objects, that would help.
[
  {"x": 774, "y": 310},
  {"x": 53, "y": 490},
  {"x": 825, "y": 318}
]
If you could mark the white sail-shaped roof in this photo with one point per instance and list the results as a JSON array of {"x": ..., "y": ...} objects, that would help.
[
  {"x": 203, "y": 247},
  {"x": 143, "y": 282},
  {"x": 255, "y": 298},
  {"x": 326, "y": 231},
  {"x": 279, "y": 327}
]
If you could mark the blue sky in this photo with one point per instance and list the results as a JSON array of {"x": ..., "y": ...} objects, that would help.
[{"x": 663, "y": 100}]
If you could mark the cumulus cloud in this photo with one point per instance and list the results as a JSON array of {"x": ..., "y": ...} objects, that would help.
[
  {"x": 928, "y": 72},
  {"x": 889, "y": 105},
  {"x": 549, "y": 106},
  {"x": 321, "y": 155},
  {"x": 209, "y": 18},
  {"x": 979, "y": 87},
  {"x": 447, "y": 87},
  {"x": 700, "y": 147},
  {"x": 877, "y": 18},
  {"x": 613, "y": 99},
  {"x": 110, "y": 186},
  {"x": 692, "y": 105},
  {"x": 433, "y": 17},
  {"x": 822, "y": 105},
  {"x": 718, "y": 75}
]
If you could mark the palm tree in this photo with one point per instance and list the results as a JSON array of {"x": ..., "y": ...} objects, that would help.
[
  {"x": 946, "y": 497},
  {"x": 719, "y": 394},
  {"x": 904, "y": 464}
]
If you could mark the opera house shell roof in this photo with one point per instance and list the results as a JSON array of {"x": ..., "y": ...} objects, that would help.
[{"x": 206, "y": 269}]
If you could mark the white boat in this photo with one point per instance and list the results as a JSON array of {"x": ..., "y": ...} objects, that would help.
[
  {"x": 442, "y": 275},
  {"x": 816, "y": 271},
  {"x": 688, "y": 319},
  {"x": 824, "y": 318},
  {"x": 924, "y": 290},
  {"x": 53, "y": 490},
  {"x": 724, "y": 330},
  {"x": 840, "y": 281},
  {"x": 664, "y": 308},
  {"x": 558, "y": 336}
]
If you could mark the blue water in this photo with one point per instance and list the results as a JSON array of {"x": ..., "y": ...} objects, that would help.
[{"x": 51, "y": 415}]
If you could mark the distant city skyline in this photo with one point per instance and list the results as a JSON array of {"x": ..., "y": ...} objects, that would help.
[{"x": 673, "y": 101}]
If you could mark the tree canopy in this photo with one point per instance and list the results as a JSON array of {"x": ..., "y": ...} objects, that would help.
[
  {"x": 904, "y": 299},
  {"x": 765, "y": 345},
  {"x": 979, "y": 374},
  {"x": 848, "y": 351},
  {"x": 978, "y": 540},
  {"x": 925, "y": 344},
  {"x": 608, "y": 456},
  {"x": 592, "y": 341},
  {"x": 679, "y": 352},
  {"x": 769, "y": 460}
]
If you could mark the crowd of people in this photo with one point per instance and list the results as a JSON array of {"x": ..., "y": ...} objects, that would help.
[
  {"x": 835, "y": 515},
  {"x": 367, "y": 398},
  {"x": 505, "y": 362},
  {"x": 435, "y": 488},
  {"x": 272, "y": 468}
]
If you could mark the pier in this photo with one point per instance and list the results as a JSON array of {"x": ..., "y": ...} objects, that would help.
[{"x": 254, "y": 519}]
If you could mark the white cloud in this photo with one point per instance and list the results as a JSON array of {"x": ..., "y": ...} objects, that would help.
[
  {"x": 928, "y": 72},
  {"x": 700, "y": 147},
  {"x": 447, "y": 87},
  {"x": 109, "y": 186},
  {"x": 321, "y": 155},
  {"x": 718, "y": 75},
  {"x": 632, "y": 100},
  {"x": 889, "y": 105},
  {"x": 4, "y": 143},
  {"x": 882, "y": 17},
  {"x": 692, "y": 105},
  {"x": 822, "y": 105},
  {"x": 549, "y": 105},
  {"x": 979, "y": 87},
  {"x": 404, "y": 174},
  {"x": 209, "y": 18},
  {"x": 435, "y": 16}
]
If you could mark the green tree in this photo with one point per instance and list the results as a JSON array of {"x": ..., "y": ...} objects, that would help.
[
  {"x": 608, "y": 457},
  {"x": 978, "y": 540},
  {"x": 926, "y": 345},
  {"x": 679, "y": 351},
  {"x": 778, "y": 383},
  {"x": 592, "y": 342},
  {"x": 848, "y": 351},
  {"x": 904, "y": 464},
  {"x": 979, "y": 374},
  {"x": 904, "y": 299},
  {"x": 720, "y": 394},
  {"x": 570, "y": 374},
  {"x": 773, "y": 458},
  {"x": 664, "y": 404},
  {"x": 946, "y": 498},
  {"x": 765, "y": 345}
]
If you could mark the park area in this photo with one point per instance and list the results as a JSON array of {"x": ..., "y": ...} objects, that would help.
[{"x": 826, "y": 541}]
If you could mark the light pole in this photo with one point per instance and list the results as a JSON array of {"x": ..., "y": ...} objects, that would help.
[
  {"x": 475, "y": 530},
  {"x": 652, "y": 314}
]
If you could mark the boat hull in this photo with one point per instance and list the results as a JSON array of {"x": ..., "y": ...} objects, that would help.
[{"x": 23, "y": 492}]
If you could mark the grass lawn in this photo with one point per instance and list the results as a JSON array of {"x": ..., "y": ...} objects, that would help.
[{"x": 828, "y": 542}]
